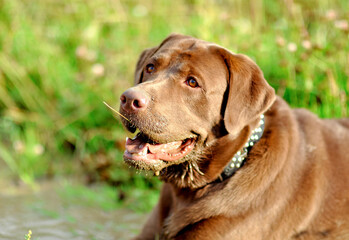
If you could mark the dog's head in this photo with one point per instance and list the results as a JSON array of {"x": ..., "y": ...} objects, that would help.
[{"x": 188, "y": 94}]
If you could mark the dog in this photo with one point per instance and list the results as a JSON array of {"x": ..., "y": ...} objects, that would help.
[{"x": 237, "y": 162}]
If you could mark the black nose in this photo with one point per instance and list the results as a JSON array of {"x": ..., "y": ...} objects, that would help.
[{"x": 133, "y": 101}]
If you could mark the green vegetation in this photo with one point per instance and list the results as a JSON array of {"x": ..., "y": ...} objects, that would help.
[
  {"x": 60, "y": 59},
  {"x": 28, "y": 236}
]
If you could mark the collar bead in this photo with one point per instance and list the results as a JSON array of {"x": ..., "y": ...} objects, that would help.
[{"x": 239, "y": 158}]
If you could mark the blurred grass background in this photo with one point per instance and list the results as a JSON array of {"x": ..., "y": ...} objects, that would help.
[{"x": 59, "y": 59}]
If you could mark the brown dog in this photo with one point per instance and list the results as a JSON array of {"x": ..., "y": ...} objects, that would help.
[{"x": 229, "y": 172}]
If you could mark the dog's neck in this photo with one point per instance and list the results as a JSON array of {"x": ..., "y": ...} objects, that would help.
[{"x": 239, "y": 158}]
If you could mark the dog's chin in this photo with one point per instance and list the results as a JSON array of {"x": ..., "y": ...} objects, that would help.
[
  {"x": 147, "y": 166},
  {"x": 143, "y": 153}
]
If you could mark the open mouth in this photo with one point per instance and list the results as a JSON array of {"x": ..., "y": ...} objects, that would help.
[{"x": 141, "y": 148}]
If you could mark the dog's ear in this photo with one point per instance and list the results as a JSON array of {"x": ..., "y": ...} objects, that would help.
[
  {"x": 248, "y": 94},
  {"x": 141, "y": 62}
]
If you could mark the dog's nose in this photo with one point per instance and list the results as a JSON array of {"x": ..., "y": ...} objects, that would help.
[{"x": 133, "y": 101}]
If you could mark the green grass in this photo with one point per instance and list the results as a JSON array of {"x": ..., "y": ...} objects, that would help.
[{"x": 60, "y": 59}]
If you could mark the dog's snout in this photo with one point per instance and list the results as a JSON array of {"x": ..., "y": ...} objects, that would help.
[{"x": 133, "y": 101}]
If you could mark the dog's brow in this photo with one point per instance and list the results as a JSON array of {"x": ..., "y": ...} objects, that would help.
[
  {"x": 159, "y": 59},
  {"x": 182, "y": 67},
  {"x": 172, "y": 56},
  {"x": 163, "y": 56},
  {"x": 185, "y": 55}
]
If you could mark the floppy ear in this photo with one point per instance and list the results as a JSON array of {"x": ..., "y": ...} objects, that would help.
[
  {"x": 141, "y": 62},
  {"x": 249, "y": 94}
]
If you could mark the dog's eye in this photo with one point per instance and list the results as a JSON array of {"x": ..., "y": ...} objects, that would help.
[
  {"x": 191, "y": 82},
  {"x": 150, "y": 68}
]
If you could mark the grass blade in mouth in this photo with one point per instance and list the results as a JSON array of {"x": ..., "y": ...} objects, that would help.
[
  {"x": 132, "y": 135},
  {"x": 112, "y": 109},
  {"x": 129, "y": 134}
]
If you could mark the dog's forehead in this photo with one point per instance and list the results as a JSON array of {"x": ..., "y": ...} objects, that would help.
[{"x": 185, "y": 51}]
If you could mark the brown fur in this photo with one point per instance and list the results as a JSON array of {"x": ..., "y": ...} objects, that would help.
[{"x": 295, "y": 182}]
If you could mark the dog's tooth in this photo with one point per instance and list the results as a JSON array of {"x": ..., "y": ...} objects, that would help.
[{"x": 144, "y": 151}]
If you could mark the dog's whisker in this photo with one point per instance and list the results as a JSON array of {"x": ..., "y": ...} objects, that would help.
[
  {"x": 183, "y": 176},
  {"x": 185, "y": 171},
  {"x": 191, "y": 172},
  {"x": 196, "y": 167},
  {"x": 112, "y": 109}
]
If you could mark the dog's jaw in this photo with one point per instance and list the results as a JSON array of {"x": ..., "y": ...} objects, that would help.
[{"x": 143, "y": 153}]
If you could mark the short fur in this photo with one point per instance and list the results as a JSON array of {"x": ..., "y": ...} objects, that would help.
[{"x": 295, "y": 182}]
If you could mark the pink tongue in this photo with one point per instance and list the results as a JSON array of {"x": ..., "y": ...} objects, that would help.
[
  {"x": 137, "y": 146},
  {"x": 165, "y": 148}
]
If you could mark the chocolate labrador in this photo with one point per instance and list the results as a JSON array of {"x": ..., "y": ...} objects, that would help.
[{"x": 237, "y": 161}]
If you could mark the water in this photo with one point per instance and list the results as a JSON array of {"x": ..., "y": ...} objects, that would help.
[{"x": 51, "y": 217}]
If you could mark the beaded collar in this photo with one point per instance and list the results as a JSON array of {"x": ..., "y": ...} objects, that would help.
[{"x": 239, "y": 158}]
